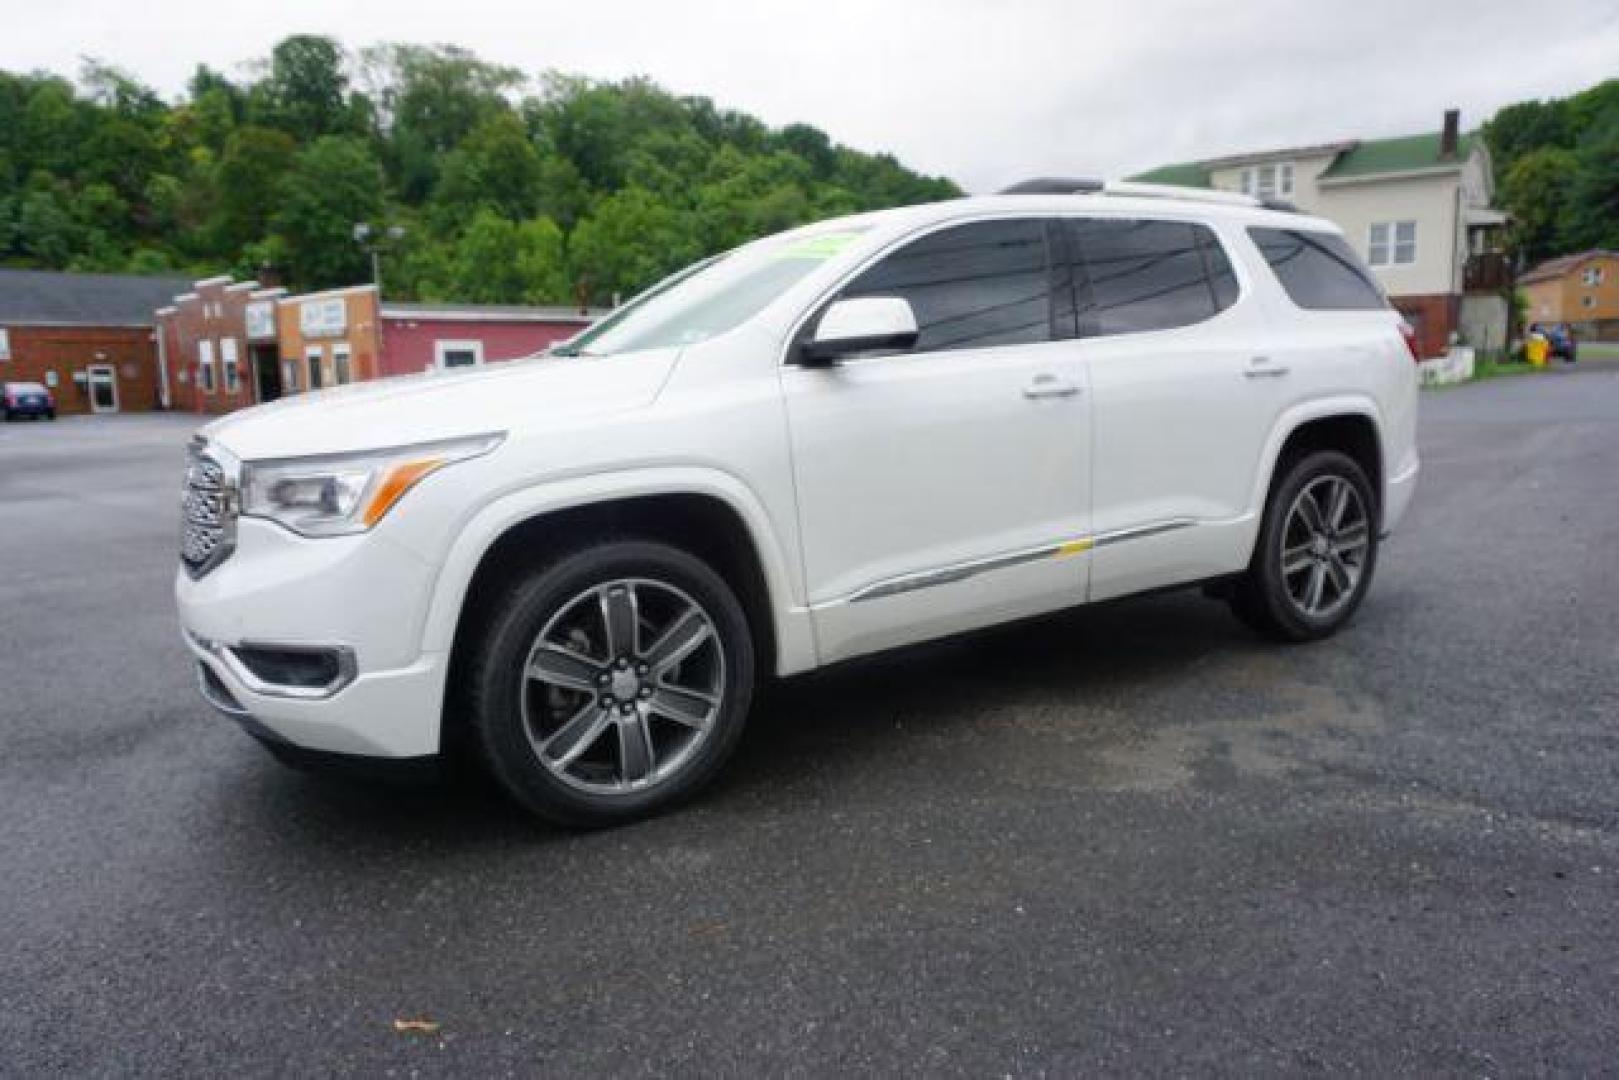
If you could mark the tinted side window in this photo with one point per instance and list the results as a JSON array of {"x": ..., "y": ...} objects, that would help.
[
  {"x": 972, "y": 286},
  {"x": 1149, "y": 275},
  {"x": 1318, "y": 270}
]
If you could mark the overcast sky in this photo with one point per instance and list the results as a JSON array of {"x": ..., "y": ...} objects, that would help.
[{"x": 983, "y": 92}]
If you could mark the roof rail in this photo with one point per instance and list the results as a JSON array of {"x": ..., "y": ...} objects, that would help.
[
  {"x": 1135, "y": 190},
  {"x": 1054, "y": 185},
  {"x": 1282, "y": 205},
  {"x": 1057, "y": 185}
]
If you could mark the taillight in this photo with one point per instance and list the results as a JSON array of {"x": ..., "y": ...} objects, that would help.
[{"x": 1409, "y": 332}]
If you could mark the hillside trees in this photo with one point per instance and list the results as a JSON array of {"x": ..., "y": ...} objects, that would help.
[
  {"x": 1557, "y": 170},
  {"x": 508, "y": 188}
]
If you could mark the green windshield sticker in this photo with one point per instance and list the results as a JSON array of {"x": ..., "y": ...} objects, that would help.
[{"x": 823, "y": 246}]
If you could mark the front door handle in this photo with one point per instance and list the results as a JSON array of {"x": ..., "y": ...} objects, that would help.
[
  {"x": 1263, "y": 367},
  {"x": 1050, "y": 386}
]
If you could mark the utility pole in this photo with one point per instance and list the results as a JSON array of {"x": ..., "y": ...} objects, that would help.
[{"x": 374, "y": 241}]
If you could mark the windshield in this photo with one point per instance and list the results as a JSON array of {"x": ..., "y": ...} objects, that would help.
[
  {"x": 711, "y": 297},
  {"x": 578, "y": 345}
]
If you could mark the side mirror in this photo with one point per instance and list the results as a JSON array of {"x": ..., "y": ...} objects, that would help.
[{"x": 867, "y": 324}]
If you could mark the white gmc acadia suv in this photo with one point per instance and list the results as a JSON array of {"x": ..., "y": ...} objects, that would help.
[{"x": 845, "y": 438}]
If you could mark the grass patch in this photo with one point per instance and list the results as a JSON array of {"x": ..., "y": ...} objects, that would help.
[{"x": 1498, "y": 369}]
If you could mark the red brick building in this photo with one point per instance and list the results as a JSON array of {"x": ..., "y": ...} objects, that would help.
[
  {"x": 88, "y": 337},
  {"x": 231, "y": 345},
  {"x": 219, "y": 346}
]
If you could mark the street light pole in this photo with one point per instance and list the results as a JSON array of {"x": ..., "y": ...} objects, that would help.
[{"x": 374, "y": 242}]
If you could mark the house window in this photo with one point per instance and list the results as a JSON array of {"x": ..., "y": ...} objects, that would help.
[
  {"x": 340, "y": 365},
  {"x": 312, "y": 359},
  {"x": 1268, "y": 181},
  {"x": 1392, "y": 243},
  {"x": 1592, "y": 276},
  {"x": 205, "y": 366},
  {"x": 227, "y": 365},
  {"x": 289, "y": 376},
  {"x": 1588, "y": 301},
  {"x": 5, "y": 344},
  {"x": 450, "y": 354}
]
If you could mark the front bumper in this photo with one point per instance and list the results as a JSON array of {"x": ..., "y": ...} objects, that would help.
[{"x": 361, "y": 599}]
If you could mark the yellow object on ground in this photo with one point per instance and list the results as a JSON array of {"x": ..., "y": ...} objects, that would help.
[{"x": 1535, "y": 350}]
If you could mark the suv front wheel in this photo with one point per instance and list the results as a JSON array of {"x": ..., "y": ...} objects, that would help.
[
  {"x": 1316, "y": 551},
  {"x": 612, "y": 683}
]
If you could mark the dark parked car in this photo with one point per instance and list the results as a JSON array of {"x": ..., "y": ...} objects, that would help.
[
  {"x": 1560, "y": 338},
  {"x": 28, "y": 399}
]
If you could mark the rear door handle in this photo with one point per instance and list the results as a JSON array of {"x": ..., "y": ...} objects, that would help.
[
  {"x": 1050, "y": 386},
  {"x": 1263, "y": 367}
]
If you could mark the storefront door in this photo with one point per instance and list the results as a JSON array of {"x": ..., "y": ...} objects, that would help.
[{"x": 103, "y": 388}]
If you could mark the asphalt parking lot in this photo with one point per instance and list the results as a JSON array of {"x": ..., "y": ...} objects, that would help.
[{"x": 1127, "y": 839}]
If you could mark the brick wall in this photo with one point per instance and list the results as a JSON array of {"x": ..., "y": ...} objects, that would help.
[
  {"x": 1434, "y": 317},
  {"x": 69, "y": 351},
  {"x": 215, "y": 313}
]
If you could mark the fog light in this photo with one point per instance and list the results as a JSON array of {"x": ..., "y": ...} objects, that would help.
[{"x": 293, "y": 668}]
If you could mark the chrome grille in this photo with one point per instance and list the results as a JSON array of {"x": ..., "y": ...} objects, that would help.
[{"x": 207, "y": 514}]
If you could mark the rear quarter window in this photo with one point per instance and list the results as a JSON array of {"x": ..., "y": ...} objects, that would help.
[{"x": 1319, "y": 270}]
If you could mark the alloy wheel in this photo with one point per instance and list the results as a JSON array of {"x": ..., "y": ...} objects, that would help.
[
  {"x": 622, "y": 685},
  {"x": 1324, "y": 546}
]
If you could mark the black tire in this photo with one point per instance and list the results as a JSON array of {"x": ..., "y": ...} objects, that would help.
[
  {"x": 501, "y": 697},
  {"x": 1261, "y": 598}
]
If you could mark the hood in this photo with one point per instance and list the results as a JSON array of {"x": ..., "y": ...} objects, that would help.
[{"x": 398, "y": 411}]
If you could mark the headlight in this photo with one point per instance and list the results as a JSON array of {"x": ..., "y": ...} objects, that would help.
[{"x": 336, "y": 494}]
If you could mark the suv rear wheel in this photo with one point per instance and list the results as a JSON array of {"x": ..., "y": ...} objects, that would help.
[
  {"x": 1316, "y": 551},
  {"x": 612, "y": 683}
]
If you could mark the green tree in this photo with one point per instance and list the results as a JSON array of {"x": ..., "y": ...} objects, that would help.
[
  {"x": 1593, "y": 215},
  {"x": 45, "y": 235},
  {"x": 483, "y": 270},
  {"x": 436, "y": 94},
  {"x": 249, "y": 176},
  {"x": 428, "y": 100},
  {"x": 335, "y": 183},
  {"x": 630, "y": 240},
  {"x": 752, "y": 196},
  {"x": 117, "y": 90},
  {"x": 595, "y": 125},
  {"x": 305, "y": 93},
  {"x": 495, "y": 167},
  {"x": 502, "y": 262},
  {"x": 1590, "y": 111},
  {"x": 1521, "y": 129},
  {"x": 123, "y": 154},
  {"x": 541, "y": 262},
  {"x": 147, "y": 261},
  {"x": 811, "y": 144},
  {"x": 51, "y": 128},
  {"x": 1536, "y": 193},
  {"x": 502, "y": 198}
]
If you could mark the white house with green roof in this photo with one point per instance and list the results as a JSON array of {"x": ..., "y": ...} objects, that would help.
[{"x": 1417, "y": 208}]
